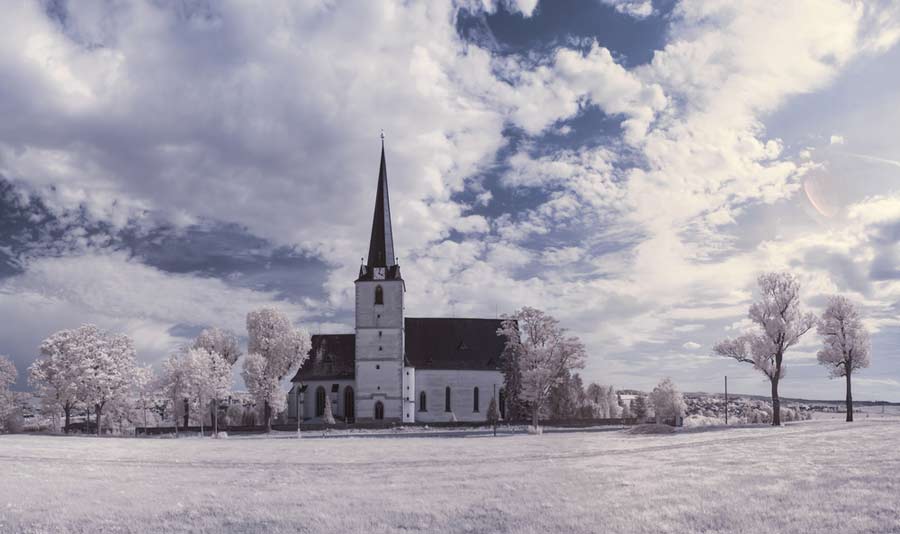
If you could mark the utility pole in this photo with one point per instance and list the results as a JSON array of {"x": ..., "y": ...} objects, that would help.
[
  {"x": 726, "y": 399},
  {"x": 494, "y": 399}
]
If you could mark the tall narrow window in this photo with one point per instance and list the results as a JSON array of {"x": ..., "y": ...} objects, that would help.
[
  {"x": 320, "y": 401},
  {"x": 475, "y": 398},
  {"x": 423, "y": 402},
  {"x": 379, "y": 295},
  {"x": 379, "y": 410},
  {"x": 447, "y": 399}
]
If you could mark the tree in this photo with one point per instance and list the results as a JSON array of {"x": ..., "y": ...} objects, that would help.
[
  {"x": 221, "y": 342},
  {"x": 667, "y": 400},
  {"x": 516, "y": 408},
  {"x": 327, "y": 416},
  {"x": 108, "y": 368},
  {"x": 176, "y": 382},
  {"x": 208, "y": 379},
  {"x": 564, "y": 395},
  {"x": 144, "y": 382},
  {"x": 274, "y": 347},
  {"x": 544, "y": 353},
  {"x": 612, "y": 402},
  {"x": 8, "y": 376},
  {"x": 780, "y": 323},
  {"x": 57, "y": 374},
  {"x": 846, "y": 342},
  {"x": 597, "y": 396},
  {"x": 640, "y": 407}
]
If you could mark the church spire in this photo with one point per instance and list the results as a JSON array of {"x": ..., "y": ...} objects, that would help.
[{"x": 381, "y": 244}]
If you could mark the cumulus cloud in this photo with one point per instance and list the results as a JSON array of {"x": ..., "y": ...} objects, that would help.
[
  {"x": 636, "y": 8},
  {"x": 149, "y": 115}
]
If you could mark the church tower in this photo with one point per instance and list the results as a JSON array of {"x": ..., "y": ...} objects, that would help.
[{"x": 379, "y": 319}]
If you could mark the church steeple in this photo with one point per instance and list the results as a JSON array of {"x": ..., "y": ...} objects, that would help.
[
  {"x": 381, "y": 244},
  {"x": 381, "y": 261}
]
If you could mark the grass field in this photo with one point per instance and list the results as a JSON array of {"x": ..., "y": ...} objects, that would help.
[{"x": 814, "y": 477}]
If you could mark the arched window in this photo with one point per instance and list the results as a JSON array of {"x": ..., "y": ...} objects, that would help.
[
  {"x": 423, "y": 404},
  {"x": 379, "y": 410},
  {"x": 320, "y": 401},
  {"x": 475, "y": 398},
  {"x": 379, "y": 295},
  {"x": 502, "y": 403},
  {"x": 447, "y": 399}
]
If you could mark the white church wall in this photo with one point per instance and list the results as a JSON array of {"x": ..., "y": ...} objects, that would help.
[
  {"x": 337, "y": 399},
  {"x": 462, "y": 385},
  {"x": 409, "y": 394}
]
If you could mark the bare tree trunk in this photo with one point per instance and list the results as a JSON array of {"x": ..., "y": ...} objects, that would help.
[
  {"x": 776, "y": 404},
  {"x": 175, "y": 413},
  {"x": 535, "y": 420},
  {"x": 267, "y": 412},
  {"x": 187, "y": 414},
  {"x": 849, "y": 400},
  {"x": 68, "y": 410},
  {"x": 216, "y": 418},
  {"x": 99, "y": 408}
]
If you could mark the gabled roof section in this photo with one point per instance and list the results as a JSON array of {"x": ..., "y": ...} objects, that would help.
[
  {"x": 381, "y": 243},
  {"x": 456, "y": 344},
  {"x": 331, "y": 357}
]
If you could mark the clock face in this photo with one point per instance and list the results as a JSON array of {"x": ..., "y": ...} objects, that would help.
[{"x": 379, "y": 273}]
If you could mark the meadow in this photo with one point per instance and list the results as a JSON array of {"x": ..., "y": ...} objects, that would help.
[{"x": 815, "y": 476}]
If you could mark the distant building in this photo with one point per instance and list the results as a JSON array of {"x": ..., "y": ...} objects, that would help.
[{"x": 397, "y": 368}]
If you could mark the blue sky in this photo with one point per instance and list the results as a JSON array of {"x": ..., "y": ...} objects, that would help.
[{"x": 629, "y": 166}]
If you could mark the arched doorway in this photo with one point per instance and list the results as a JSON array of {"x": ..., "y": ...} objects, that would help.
[
  {"x": 320, "y": 401},
  {"x": 379, "y": 410},
  {"x": 349, "y": 404}
]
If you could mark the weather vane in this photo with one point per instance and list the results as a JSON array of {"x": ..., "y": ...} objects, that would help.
[{"x": 382, "y": 135}]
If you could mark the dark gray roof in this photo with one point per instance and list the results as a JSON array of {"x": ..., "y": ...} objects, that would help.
[
  {"x": 381, "y": 243},
  {"x": 451, "y": 343},
  {"x": 431, "y": 343},
  {"x": 332, "y": 356}
]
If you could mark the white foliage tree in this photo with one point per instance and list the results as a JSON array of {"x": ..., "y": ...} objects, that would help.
[
  {"x": 175, "y": 381},
  {"x": 57, "y": 375},
  {"x": 8, "y": 377},
  {"x": 108, "y": 369},
  {"x": 846, "y": 343},
  {"x": 274, "y": 347},
  {"x": 144, "y": 384},
  {"x": 209, "y": 380},
  {"x": 667, "y": 401},
  {"x": 544, "y": 352},
  {"x": 612, "y": 402},
  {"x": 779, "y": 324},
  {"x": 219, "y": 341}
]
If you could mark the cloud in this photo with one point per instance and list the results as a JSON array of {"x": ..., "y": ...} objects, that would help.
[
  {"x": 690, "y": 345},
  {"x": 639, "y": 9},
  {"x": 122, "y": 294},
  {"x": 147, "y": 116}
]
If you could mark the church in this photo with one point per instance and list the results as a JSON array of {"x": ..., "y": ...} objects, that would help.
[{"x": 396, "y": 368}]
